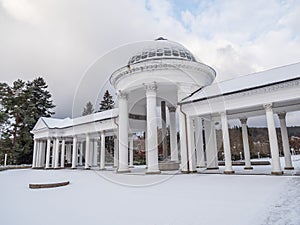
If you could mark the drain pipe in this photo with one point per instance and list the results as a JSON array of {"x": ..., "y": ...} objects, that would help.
[{"x": 186, "y": 139}]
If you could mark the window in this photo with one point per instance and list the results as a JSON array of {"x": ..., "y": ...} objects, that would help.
[{"x": 167, "y": 52}]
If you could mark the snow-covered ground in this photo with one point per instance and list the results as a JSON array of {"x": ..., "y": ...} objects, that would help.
[{"x": 103, "y": 197}]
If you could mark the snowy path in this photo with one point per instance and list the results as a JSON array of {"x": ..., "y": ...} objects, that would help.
[{"x": 191, "y": 199}]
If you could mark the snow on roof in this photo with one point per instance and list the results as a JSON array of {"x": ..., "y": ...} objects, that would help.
[
  {"x": 253, "y": 80},
  {"x": 67, "y": 122}
]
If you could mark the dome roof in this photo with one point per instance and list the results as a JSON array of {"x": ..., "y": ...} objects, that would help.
[{"x": 162, "y": 48}]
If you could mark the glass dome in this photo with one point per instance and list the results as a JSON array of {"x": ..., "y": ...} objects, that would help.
[{"x": 162, "y": 48}]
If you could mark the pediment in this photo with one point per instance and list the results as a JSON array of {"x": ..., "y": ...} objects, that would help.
[{"x": 40, "y": 125}]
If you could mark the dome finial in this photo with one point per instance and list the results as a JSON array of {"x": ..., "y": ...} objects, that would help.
[{"x": 161, "y": 39}]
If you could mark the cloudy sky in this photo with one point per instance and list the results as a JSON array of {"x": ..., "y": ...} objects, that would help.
[{"x": 60, "y": 39}]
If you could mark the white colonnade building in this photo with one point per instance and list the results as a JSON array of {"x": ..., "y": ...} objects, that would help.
[{"x": 165, "y": 75}]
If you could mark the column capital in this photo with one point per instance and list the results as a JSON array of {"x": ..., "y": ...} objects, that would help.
[
  {"x": 244, "y": 120},
  {"x": 223, "y": 114},
  {"x": 172, "y": 109},
  {"x": 151, "y": 87},
  {"x": 268, "y": 106},
  {"x": 282, "y": 115},
  {"x": 122, "y": 95},
  {"x": 130, "y": 136}
]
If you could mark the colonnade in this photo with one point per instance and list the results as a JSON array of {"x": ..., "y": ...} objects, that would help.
[
  {"x": 151, "y": 142},
  {"x": 55, "y": 152},
  {"x": 196, "y": 144}
]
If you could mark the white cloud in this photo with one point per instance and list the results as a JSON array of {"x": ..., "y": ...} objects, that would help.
[
  {"x": 58, "y": 39},
  {"x": 22, "y": 10}
]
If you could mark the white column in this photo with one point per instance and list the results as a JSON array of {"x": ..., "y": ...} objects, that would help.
[
  {"x": 152, "y": 149},
  {"x": 116, "y": 146},
  {"x": 131, "y": 151},
  {"x": 38, "y": 154},
  {"x": 74, "y": 153},
  {"x": 87, "y": 151},
  {"x": 80, "y": 153},
  {"x": 43, "y": 153},
  {"x": 276, "y": 167},
  {"x": 285, "y": 142},
  {"x": 226, "y": 144},
  {"x": 62, "y": 156},
  {"x": 56, "y": 153},
  {"x": 191, "y": 145},
  {"x": 102, "y": 152},
  {"x": 35, "y": 143},
  {"x": 123, "y": 132},
  {"x": 69, "y": 153},
  {"x": 181, "y": 93},
  {"x": 146, "y": 147},
  {"x": 210, "y": 144},
  {"x": 173, "y": 134},
  {"x": 53, "y": 153},
  {"x": 48, "y": 153},
  {"x": 91, "y": 153},
  {"x": 246, "y": 144},
  {"x": 95, "y": 144},
  {"x": 199, "y": 143},
  {"x": 164, "y": 130}
]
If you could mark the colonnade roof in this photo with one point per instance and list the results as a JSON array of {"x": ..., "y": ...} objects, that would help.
[
  {"x": 247, "y": 82},
  {"x": 54, "y": 123}
]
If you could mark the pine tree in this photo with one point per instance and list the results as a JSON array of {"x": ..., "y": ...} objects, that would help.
[
  {"x": 23, "y": 104},
  {"x": 88, "y": 109},
  {"x": 107, "y": 102}
]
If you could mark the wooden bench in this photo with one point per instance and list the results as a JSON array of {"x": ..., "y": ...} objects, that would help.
[{"x": 51, "y": 185}]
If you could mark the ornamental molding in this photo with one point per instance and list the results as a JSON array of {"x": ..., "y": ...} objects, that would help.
[
  {"x": 122, "y": 95},
  {"x": 157, "y": 66},
  {"x": 244, "y": 120},
  {"x": 268, "y": 107},
  {"x": 172, "y": 109},
  {"x": 281, "y": 115},
  {"x": 151, "y": 87},
  {"x": 265, "y": 90}
]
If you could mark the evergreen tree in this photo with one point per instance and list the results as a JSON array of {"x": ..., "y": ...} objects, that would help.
[
  {"x": 23, "y": 104},
  {"x": 107, "y": 102},
  {"x": 88, "y": 109}
]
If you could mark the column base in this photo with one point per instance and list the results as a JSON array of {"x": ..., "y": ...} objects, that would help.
[
  {"x": 153, "y": 172},
  {"x": 123, "y": 171},
  {"x": 102, "y": 169},
  {"x": 289, "y": 168},
  {"x": 131, "y": 166},
  {"x": 212, "y": 168},
  {"x": 200, "y": 166},
  {"x": 248, "y": 168},
  {"x": 277, "y": 172},
  {"x": 87, "y": 168},
  {"x": 73, "y": 168},
  {"x": 228, "y": 172}
]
